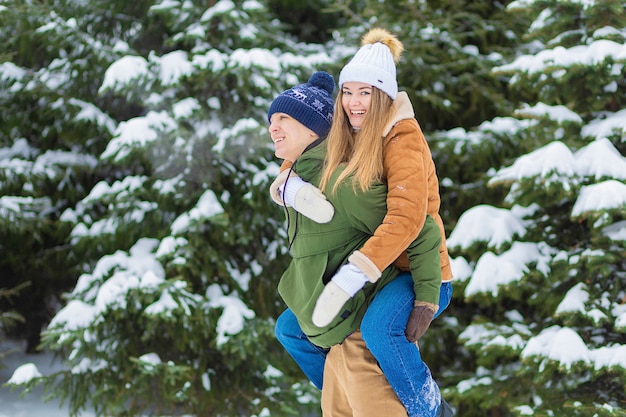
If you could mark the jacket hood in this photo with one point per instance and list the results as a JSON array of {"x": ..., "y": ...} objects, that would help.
[{"x": 404, "y": 110}]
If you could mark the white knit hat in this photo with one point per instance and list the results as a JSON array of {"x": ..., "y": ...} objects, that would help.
[{"x": 375, "y": 62}]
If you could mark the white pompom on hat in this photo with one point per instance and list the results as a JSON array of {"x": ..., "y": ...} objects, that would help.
[{"x": 375, "y": 62}]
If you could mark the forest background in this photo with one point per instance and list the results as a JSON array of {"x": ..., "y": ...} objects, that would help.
[{"x": 138, "y": 241}]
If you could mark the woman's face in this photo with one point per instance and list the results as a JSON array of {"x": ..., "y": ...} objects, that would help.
[
  {"x": 356, "y": 99},
  {"x": 290, "y": 137}
]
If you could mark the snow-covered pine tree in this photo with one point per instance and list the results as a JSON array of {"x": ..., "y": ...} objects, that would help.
[
  {"x": 50, "y": 136},
  {"x": 543, "y": 274},
  {"x": 179, "y": 246}
]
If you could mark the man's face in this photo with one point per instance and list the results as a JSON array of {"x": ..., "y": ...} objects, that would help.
[{"x": 290, "y": 137}]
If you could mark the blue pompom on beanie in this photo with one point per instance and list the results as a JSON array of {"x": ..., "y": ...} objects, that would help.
[{"x": 311, "y": 103}]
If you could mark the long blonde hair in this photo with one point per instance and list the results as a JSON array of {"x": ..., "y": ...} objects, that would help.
[{"x": 360, "y": 151}]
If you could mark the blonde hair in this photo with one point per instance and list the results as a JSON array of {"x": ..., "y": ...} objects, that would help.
[{"x": 361, "y": 151}]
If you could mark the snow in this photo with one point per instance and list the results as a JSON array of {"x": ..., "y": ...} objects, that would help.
[
  {"x": 165, "y": 4},
  {"x": 554, "y": 160},
  {"x": 616, "y": 231},
  {"x": 600, "y": 159},
  {"x": 565, "y": 346},
  {"x": 23, "y": 366},
  {"x": 462, "y": 270},
  {"x": 605, "y": 195},
  {"x": 229, "y": 136},
  {"x": 606, "y": 125},
  {"x": 18, "y": 208},
  {"x": 113, "y": 291},
  {"x": 234, "y": 314},
  {"x": 560, "y": 57},
  {"x": 498, "y": 125},
  {"x": 138, "y": 131},
  {"x": 212, "y": 59},
  {"x": 173, "y": 66},
  {"x": 498, "y": 226},
  {"x": 574, "y": 300},
  {"x": 9, "y": 70},
  {"x": 263, "y": 58},
  {"x": 74, "y": 316},
  {"x": 556, "y": 113},
  {"x": 24, "y": 374},
  {"x": 185, "y": 108},
  {"x": 92, "y": 113},
  {"x": 493, "y": 271},
  {"x": 207, "y": 207},
  {"x": 222, "y": 6},
  {"x": 150, "y": 359},
  {"x": 124, "y": 71},
  {"x": 555, "y": 163},
  {"x": 139, "y": 267}
]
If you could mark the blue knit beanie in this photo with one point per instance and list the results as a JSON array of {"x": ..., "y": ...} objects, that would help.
[{"x": 311, "y": 103}]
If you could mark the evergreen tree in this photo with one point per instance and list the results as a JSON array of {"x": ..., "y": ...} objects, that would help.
[
  {"x": 50, "y": 135},
  {"x": 542, "y": 275},
  {"x": 179, "y": 245}
]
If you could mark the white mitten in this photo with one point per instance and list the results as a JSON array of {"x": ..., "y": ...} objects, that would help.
[
  {"x": 346, "y": 282},
  {"x": 307, "y": 199}
]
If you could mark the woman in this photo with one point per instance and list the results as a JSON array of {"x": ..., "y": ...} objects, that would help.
[{"x": 375, "y": 137}]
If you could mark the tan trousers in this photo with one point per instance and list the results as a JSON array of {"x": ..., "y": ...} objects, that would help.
[{"x": 354, "y": 385}]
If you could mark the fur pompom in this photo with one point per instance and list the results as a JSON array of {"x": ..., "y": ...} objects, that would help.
[{"x": 381, "y": 35}]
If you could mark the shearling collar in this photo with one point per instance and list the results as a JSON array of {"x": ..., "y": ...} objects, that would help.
[{"x": 404, "y": 110}]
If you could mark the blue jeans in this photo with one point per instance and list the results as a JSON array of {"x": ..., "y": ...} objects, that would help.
[{"x": 382, "y": 330}]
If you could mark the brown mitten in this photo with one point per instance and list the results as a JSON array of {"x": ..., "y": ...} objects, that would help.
[{"x": 419, "y": 320}]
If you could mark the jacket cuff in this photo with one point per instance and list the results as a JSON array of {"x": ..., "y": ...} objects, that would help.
[
  {"x": 433, "y": 307},
  {"x": 366, "y": 265},
  {"x": 277, "y": 184}
]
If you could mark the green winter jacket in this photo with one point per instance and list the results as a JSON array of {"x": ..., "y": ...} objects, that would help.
[{"x": 319, "y": 250}]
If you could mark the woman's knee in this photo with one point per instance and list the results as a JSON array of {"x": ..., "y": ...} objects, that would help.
[{"x": 445, "y": 296}]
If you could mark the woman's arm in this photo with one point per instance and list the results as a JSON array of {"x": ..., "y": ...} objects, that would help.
[{"x": 407, "y": 167}]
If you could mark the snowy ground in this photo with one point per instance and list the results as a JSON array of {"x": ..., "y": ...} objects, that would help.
[{"x": 11, "y": 405}]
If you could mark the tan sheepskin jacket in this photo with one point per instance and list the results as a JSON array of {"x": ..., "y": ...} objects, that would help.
[
  {"x": 406, "y": 158},
  {"x": 413, "y": 192}
]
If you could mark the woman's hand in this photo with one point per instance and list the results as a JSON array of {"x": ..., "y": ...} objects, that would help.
[
  {"x": 289, "y": 190},
  {"x": 419, "y": 321},
  {"x": 346, "y": 282}
]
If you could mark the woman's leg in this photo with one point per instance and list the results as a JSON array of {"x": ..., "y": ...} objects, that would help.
[
  {"x": 383, "y": 331},
  {"x": 445, "y": 295},
  {"x": 309, "y": 357}
]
